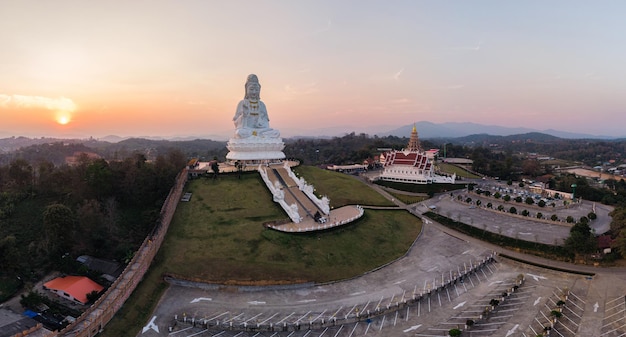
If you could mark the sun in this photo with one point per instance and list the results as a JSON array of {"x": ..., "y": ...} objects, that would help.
[{"x": 63, "y": 118}]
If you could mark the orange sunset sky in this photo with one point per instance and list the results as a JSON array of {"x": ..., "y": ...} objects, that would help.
[{"x": 177, "y": 68}]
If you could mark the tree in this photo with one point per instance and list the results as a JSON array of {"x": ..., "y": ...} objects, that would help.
[
  {"x": 525, "y": 212},
  {"x": 539, "y": 215},
  {"x": 620, "y": 243},
  {"x": 581, "y": 240},
  {"x": 58, "y": 228},
  {"x": 513, "y": 210},
  {"x": 9, "y": 254},
  {"x": 529, "y": 201},
  {"x": 507, "y": 198},
  {"x": 92, "y": 296},
  {"x": 454, "y": 332},
  {"x": 99, "y": 178},
  {"x": 554, "y": 217},
  {"x": 541, "y": 203},
  {"x": 569, "y": 219},
  {"x": 20, "y": 173},
  {"x": 239, "y": 167},
  {"x": 215, "y": 168}
]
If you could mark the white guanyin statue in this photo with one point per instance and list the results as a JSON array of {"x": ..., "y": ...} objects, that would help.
[{"x": 251, "y": 118}]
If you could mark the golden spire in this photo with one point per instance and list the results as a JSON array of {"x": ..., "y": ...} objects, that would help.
[{"x": 414, "y": 142}]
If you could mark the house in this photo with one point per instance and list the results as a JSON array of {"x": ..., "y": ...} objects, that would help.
[
  {"x": 14, "y": 325},
  {"x": 110, "y": 269},
  {"x": 74, "y": 288}
]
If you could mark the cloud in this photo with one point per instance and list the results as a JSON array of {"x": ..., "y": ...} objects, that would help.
[
  {"x": 400, "y": 101},
  {"x": 37, "y": 102},
  {"x": 450, "y": 87},
  {"x": 466, "y": 48},
  {"x": 306, "y": 89},
  {"x": 397, "y": 75}
]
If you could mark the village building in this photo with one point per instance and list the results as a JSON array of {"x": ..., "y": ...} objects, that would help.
[{"x": 73, "y": 288}]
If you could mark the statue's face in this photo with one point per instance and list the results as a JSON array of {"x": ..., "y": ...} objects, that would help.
[{"x": 253, "y": 91}]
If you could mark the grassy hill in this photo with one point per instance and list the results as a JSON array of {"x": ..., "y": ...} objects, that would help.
[{"x": 218, "y": 236}]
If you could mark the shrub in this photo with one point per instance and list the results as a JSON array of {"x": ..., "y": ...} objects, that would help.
[{"x": 454, "y": 332}]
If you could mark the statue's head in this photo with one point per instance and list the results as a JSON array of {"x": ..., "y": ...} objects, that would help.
[{"x": 253, "y": 87}]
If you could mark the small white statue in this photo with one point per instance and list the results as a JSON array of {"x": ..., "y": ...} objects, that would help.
[{"x": 251, "y": 118}]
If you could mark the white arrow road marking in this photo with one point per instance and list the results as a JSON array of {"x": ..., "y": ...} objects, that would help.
[
  {"x": 399, "y": 282},
  {"x": 536, "y": 277},
  {"x": 537, "y": 300},
  {"x": 495, "y": 282},
  {"x": 151, "y": 326},
  {"x": 415, "y": 327},
  {"x": 460, "y": 305},
  {"x": 512, "y": 331},
  {"x": 358, "y": 293},
  {"x": 256, "y": 302},
  {"x": 595, "y": 307},
  {"x": 198, "y": 299}
]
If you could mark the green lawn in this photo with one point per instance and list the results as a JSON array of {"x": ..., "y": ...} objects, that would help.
[
  {"x": 408, "y": 198},
  {"x": 218, "y": 236},
  {"x": 451, "y": 169},
  {"x": 342, "y": 189}
]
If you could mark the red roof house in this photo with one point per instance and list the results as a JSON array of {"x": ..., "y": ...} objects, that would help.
[{"x": 74, "y": 288}]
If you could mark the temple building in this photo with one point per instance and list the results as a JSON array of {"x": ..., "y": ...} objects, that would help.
[{"x": 411, "y": 165}]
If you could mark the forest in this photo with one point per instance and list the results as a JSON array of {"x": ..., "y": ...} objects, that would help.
[{"x": 50, "y": 214}]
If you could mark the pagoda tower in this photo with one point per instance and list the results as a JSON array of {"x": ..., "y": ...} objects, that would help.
[{"x": 414, "y": 142}]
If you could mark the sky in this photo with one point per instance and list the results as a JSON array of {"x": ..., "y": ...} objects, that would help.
[{"x": 177, "y": 68}]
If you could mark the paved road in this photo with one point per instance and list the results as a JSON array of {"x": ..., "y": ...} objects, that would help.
[{"x": 595, "y": 306}]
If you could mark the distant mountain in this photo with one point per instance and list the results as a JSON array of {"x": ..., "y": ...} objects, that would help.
[
  {"x": 483, "y": 138},
  {"x": 428, "y": 130}
]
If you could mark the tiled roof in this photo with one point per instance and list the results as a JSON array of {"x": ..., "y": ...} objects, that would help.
[{"x": 77, "y": 286}]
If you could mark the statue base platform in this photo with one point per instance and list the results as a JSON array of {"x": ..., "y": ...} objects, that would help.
[{"x": 255, "y": 149}]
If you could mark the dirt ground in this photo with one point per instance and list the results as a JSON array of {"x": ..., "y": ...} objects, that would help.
[{"x": 594, "y": 174}]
